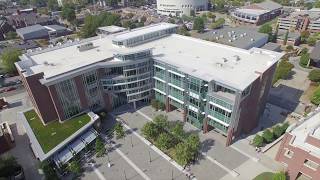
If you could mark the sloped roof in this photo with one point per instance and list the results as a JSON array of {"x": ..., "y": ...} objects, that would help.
[
  {"x": 315, "y": 53},
  {"x": 269, "y": 5}
]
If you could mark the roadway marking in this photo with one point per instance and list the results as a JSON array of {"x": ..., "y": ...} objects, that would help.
[
  {"x": 135, "y": 167},
  {"x": 98, "y": 173},
  {"x": 154, "y": 148},
  {"x": 232, "y": 172}
]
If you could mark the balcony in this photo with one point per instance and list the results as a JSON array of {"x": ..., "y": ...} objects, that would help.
[{"x": 219, "y": 116}]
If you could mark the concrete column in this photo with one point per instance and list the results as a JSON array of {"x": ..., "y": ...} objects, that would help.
[
  {"x": 134, "y": 105},
  {"x": 167, "y": 105},
  {"x": 205, "y": 125},
  {"x": 184, "y": 114},
  {"x": 229, "y": 137}
]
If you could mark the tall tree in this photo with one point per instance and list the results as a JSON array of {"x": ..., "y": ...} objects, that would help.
[
  {"x": 68, "y": 13},
  {"x": 100, "y": 147},
  {"x": 198, "y": 24},
  {"x": 53, "y": 5},
  {"x": 119, "y": 131},
  {"x": 8, "y": 58}
]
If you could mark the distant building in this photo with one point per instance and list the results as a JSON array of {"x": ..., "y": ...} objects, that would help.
[
  {"x": 302, "y": 20},
  {"x": 110, "y": 30},
  {"x": 4, "y": 28},
  {"x": 180, "y": 7},
  {"x": 300, "y": 149},
  {"x": 315, "y": 56},
  {"x": 23, "y": 19},
  {"x": 293, "y": 38},
  {"x": 257, "y": 13},
  {"x": 240, "y": 37},
  {"x": 42, "y": 32}
]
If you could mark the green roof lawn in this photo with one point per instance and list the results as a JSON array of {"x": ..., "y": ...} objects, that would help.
[{"x": 54, "y": 133}]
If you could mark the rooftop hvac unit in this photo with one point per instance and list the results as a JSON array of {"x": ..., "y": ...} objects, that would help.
[
  {"x": 230, "y": 40},
  {"x": 217, "y": 38},
  {"x": 244, "y": 34},
  {"x": 252, "y": 39},
  {"x": 85, "y": 47},
  {"x": 221, "y": 36}
]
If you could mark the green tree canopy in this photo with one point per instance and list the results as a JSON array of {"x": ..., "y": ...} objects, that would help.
[
  {"x": 315, "y": 99},
  {"x": 164, "y": 141},
  {"x": 150, "y": 131},
  {"x": 120, "y": 133},
  {"x": 99, "y": 147},
  {"x": 48, "y": 171},
  {"x": 53, "y": 5},
  {"x": 311, "y": 41},
  {"x": 68, "y": 13},
  {"x": 75, "y": 167},
  {"x": 266, "y": 28},
  {"x": 217, "y": 24},
  {"x": 161, "y": 121},
  {"x": 258, "y": 141},
  {"x": 279, "y": 176},
  {"x": 8, "y": 166},
  {"x": 8, "y": 58},
  {"x": 198, "y": 24},
  {"x": 268, "y": 136},
  {"x": 283, "y": 70},
  {"x": 178, "y": 131},
  {"x": 183, "y": 154},
  {"x": 193, "y": 141},
  {"x": 304, "y": 60},
  {"x": 317, "y": 4},
  {"x": 314, "y": 75}
]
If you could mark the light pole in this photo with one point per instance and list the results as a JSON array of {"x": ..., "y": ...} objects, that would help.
[
  {"x": 109, "y": 164},
  {"x": 149, "y": 156},
  {"x": 131, "y": 142},
  {"x": 172, "y": 174}
]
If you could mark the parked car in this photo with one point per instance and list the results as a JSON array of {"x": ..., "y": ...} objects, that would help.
[{"x": 10, "y": 89}]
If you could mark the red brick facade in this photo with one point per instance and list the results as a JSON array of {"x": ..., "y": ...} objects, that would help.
[{"x": 296, "y": 163}]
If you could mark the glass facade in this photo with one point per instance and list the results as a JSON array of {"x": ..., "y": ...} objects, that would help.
[{"x": 68, "y": 97}]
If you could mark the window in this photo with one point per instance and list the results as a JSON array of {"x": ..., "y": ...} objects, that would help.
[
  {"x": 288, "y": 153},
  {"x": 311, "y": 164}
]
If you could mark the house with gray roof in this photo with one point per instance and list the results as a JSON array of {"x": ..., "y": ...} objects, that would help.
[
  {"x": 42, "y": 32},
  {"x": 315, "y": 55}
]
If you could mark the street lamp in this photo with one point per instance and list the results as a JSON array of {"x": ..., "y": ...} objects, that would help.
[
  {"x": 109, "y": 164},
  {"x": 131, "y": 142},
  {"x": 149, "y": 156}
]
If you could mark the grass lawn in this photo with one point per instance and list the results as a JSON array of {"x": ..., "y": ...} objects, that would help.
[
  {"x": 264, "y": 176},
  {"x": 53, "y": 133}
]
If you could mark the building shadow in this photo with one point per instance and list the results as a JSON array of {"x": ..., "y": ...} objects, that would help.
[
  {"x": 207, "y": 144},
  {"x": 15, "y": 104}
]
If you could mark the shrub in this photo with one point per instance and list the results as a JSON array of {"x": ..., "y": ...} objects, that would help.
[
  {"x": 282, "y": 71},
  {"x": 304, "y": 60},
  {"x": 162, "y": 106},
  {"x": 311, "y": 41},
  {"x": 268, "y": 136},
  {"x": 277, "y": 131},
  {"x": 217, "y": 24},
  {"x": 289, "y": 48},
  {"x": 164, "y": 141},
  {"x": 304, "y": 51},
  {"x": 314, "y": 75},
  {"x": 258, "y": 141},
  {"x": 284, "y": 127},
  {"x": 279, "y": 176},
  {"x": 315, "y": 99},
  {"x": 150, "y": 131}
]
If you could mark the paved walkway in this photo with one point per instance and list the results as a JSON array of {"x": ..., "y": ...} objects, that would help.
[{"x": 225, "y": 162}]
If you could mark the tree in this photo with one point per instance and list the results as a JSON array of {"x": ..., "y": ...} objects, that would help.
[
  {"x": 53, "y": 5},
  {"x": 304, "y": 35},
  {"x": 268, "y": 136},
  {"x": 277, "y": 131},
  {"x": 304, "y": 51},
  {"x": 9, "y": 167},
  {"x": 182, "y": 154},
  {"x": 289, "y": 48},
  {"x": 48, "y": 171},
  {"x": 304, "y": 60},
  {"x": 279, "y": 176},
  {"x": 75, "y": 167},
  {"x": 311, "y": 41},
  {"x": 11, "y": 35},
  {"x": 266, "y": 29},
  {"x": 193, "y": 141},
  {"x": 275, "y": 34},
  {"x": 315, "y": 99},
  {"x": 161, "y": 121},
  {"x": 258, "y": 141},
  {"x": 178, "y": 131},
  {"x": 284, "y": 127},
  {"x": 68, "y": 13},
  {"x": 314, "y": 75},
  {"x": 183, "y": 30},
  {"x": 198, "y": 24},
  {"x": 217, "y": 24},
  {"x": 283, "y": 70},
  {"x": 8, "y": 58},
  {"x": 172, "y": 21},
  {"x": 150, "y": 131},
  {"x": 164, "y": 141},
  {"x": 317, "y": 4},
  {"x": 211, "y": 16},
  {"x": 119, "y": 130},
  {"x": 100, "y": 148},
  {"x": 285, "y": 38}
]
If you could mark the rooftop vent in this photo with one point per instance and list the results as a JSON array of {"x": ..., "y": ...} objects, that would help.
[
  {"x": 225, "y": 60},
  {"x": 217, "y": 38},
  {"x": 230, "y": 40},
  {"x": 237, "y": 58},
  {"x": 85, "y": 47},
  {"x": 221, "y": 36},
  {"x": 252, "y": 39},
  {"x": 46, "y": 63},
  {"x": 244, "y": 34}
]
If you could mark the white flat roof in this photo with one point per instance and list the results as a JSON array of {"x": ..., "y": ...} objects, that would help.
[
  {"x": 232, "y": 66},
  {"x": 310, "y": 127},
  {"x": 112, "y": 29},
  {"x": 144, "y": 30}
]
